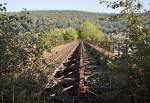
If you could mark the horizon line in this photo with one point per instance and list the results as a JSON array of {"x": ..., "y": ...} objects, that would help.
[{"x": 60, "y": 10}]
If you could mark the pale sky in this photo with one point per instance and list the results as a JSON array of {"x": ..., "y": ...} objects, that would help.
[{"x": 84, "y": 5}]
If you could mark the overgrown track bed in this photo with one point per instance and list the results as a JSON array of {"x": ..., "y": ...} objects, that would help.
[
  {"x": 56, "y": 60},
  {"x": 79, "y": 79}
]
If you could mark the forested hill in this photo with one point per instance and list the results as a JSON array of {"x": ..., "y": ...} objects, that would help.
[
  {"x": 67, "y": 13},
  {"x": 73, "y": 18}
]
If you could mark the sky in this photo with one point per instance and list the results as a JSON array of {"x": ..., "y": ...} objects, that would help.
[{"x": 83, "y": 5}]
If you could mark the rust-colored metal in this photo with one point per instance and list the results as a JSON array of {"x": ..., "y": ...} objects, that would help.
[{"x": 81, "y": 85}]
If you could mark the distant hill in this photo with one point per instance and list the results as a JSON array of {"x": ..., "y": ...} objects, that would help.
[
  {"x": 66, "y": 18},
  {"x": 67, "y": 12}
]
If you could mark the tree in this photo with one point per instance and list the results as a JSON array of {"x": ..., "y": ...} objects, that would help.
[
  {"x": 89, "y": 32},
  {"x": 70, "y": 34},
  {"x": 57, "y": 34}
]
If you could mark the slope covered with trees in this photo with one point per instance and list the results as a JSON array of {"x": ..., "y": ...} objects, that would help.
[{"x": 67, "y": 18}]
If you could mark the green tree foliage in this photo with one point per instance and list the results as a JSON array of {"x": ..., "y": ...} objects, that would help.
[
  {"x": 19, "y": 51},
  {"x": 57, "y": 34},
  {"x": 70, "y": 34},
  {"x": 137, "y": 63},
  {"x": 53, "y": 37},
  {"x": 89, "y": 32},
  {"x": 12, "y": 46}
]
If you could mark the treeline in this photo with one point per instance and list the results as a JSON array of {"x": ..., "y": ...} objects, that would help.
[{"x": 67, "y": 18}]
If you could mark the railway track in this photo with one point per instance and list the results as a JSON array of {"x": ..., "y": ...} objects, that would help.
[{"x": 79, "y": 79}]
